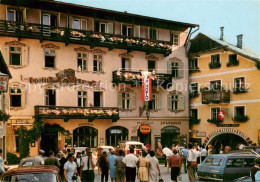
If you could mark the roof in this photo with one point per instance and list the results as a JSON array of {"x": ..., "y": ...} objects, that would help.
[
  {"x": 32, "y": 169},
  {"x": 3, "y": 67},
  {"x": 233, "y": 155},
  {"x": 203, "y": 43}
]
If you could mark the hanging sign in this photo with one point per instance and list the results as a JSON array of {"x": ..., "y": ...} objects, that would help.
[
  {"x": 221, "y": 115},
  {"x": 3, "y": 82},
  {"x": 145, "y": 129},
  {"x": 146, "y": 86}
]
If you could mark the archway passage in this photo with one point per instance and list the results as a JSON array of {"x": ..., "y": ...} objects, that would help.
[
  {"x": 116, "y": 134},
  {"x": 170, "y": 135},
  {"x": 226, "y": 139},
  {"x": 85, "y": 136}
]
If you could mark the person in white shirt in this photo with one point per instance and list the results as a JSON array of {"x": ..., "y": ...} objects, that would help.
[
  {"x": 203, "y": 153},
  {"x": 191, "y": 162},
  {"x": 168, "y": 154},
  {"x": 130, "y": 162},
  {"x": 38, "y": 160},
  {"x": 88, "y": 164}
]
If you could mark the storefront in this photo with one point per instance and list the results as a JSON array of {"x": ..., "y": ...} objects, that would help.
[{"x": 116, "y": 134}]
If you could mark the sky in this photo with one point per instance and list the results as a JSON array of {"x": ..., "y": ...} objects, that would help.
[{"x": 237, "y": 16}]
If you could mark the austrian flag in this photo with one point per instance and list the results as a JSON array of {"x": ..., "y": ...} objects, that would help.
[{"x": 146, "y": 86}]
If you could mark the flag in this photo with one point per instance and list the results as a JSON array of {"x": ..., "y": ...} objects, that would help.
[{"x": 146, "y": 86}]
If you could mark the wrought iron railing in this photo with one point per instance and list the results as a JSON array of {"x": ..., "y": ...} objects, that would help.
[{"x": 215, "y": 97}]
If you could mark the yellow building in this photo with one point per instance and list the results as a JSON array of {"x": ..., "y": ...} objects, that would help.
[{"x": 224, "y": 92}]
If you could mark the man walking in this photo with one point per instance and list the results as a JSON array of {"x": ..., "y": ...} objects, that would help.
[
  {"x": 203, "y": 153},
  {"x": 130, "y": 162},
  {"x": 38, "y": 160},
  {"x": 51, "y": 160},
  {"x": 168, "y": 154},
  {"x": 88, "y": 165},
  {"x": 191, "y": 162},
  {"x": 184, "y": 153},
  {"x": 103, "y": 165}
]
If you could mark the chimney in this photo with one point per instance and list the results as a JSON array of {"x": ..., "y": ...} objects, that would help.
[
  {"x": 240, "y": 41},
  {"x": 222, "y": 33}
]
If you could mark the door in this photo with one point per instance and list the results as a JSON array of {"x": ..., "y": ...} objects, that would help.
[
  {"x": 151, "y": 65},
  {"x": 97, "y": 99},
  {"x": 49, "y": 142},
  {"x": 53, "y": 20},
  {"x": 125, "y": 64},
  {"x": 50, "y": 97}
]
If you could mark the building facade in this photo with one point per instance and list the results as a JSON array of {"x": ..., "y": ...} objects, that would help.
[
  {"x": 224, "y": 91},
  {"x": 80, "y": 68}
]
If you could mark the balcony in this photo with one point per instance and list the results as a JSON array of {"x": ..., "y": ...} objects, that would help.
[
  {"x": 67, "y": 113},
  {"x": 134, "y": 78},
  {"x": 215, "y": 97},
  {"x": 93, "y": 39}
]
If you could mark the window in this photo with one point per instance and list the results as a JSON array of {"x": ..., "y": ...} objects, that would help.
[
  {"x": 11, "y": 15},
  {"x": 98, "y": 99},
  {"x": 233, "y": 163},
  {"x": 152, "y": 105},
  {"x": 151, "y": 65},
  {"x": 153, "y": 34},
  {"x": 214, "y": 162},
  {"x": 194, "y": 88},
  {"x": 50, "y": 58},
  {"x": 215, "y": 59},
  {"x": 82, "y": 61},
  {"x": 82, "y": 98},
  {"x": 79, "y": 24},
  {"x": 239, "y": 83},
  {"x": 97, "y": 64},
  {"x": 126, "y": 100},
  {"x": 175, "y": 39},
  {"x": 49, "y": 19},
  {"x": 194, "y": 113},
  {"x": 76, "y": 24},
  {"x": 125, "y": 64},
  {"x": 193, "y": 63},
  {"x": 215, "y": 85},
  {"x": 175, "y": 102},
  {"x": 50, "y": 97},
  {"x": 239, "y": 110},
  {"x": 115, "y": 135},
  {"x": 103, "y": 27},
  {"x": 127, "y": 30},
  {"x": 249, "y": 162},
  {"x": 15, "y": 55},
  {"x": 15, "y": 97},
  {"x": 214, "y": 112},
  {"x": 232, "y": 58}
]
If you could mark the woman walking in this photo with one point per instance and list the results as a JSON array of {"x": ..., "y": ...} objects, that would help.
[
  {"x": 78, "y": 161},
  {"x": 175, "y": 163},
  {"x": 154, "y": 167},
  {"x": 70, "y": 168},
  {"x": 143, "y": 165}
]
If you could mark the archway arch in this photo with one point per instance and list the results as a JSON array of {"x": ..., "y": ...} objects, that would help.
[
  {"x": 85, "y": 136},
  {"x": 170, "y": 135},
  {"x": 115, "y": 134}
]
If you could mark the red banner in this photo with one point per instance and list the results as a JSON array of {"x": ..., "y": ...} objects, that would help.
[{"x": 146, "y": 86}]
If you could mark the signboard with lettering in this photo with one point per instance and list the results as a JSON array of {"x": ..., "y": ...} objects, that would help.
[
  {"x": 145, "y": 129},
  {"x": 146, "y": 86},
  {"x": 3, "y": 82},
  {"x": 227, "y": 125},
  {"x": 201, "y": 134}
]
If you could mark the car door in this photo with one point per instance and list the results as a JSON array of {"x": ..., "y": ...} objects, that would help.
[{"x": 234, "y": 169}]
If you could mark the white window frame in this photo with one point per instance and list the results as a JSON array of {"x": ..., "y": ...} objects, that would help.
[
  {"x": 49, "y": 15},
  {"x": 215, "y": 81},
  {"x": 215, "y": 55},
  {"x": 211, "y": 111},
  {"x": 155, "y": 98},
  {"x": 99, "y": 61},
  {"x": 234, "y": 109},
  {"x": 80, "y": 23},
  {"x": 126, "y": 101},
  {"x": 173, "y": 42},
  {"x": 127, "y": 59},
  {"x": 173, "y": 102},
  {"x": 102, "y": 23},
  {"x": 239, "y": 77},
  {"x": 155, "y": 64},
  {"x": 194, "y": 109},
  {"x": 76, "y": 19},
  {"x": 82, "y": 97},
  {"x": 45, "y": 96},
  {"x": 7, "y": 14},
  {"x": 192, "y": 91},
  {"x": 157, "y": 33},
  {"x": 193, "y": 63},
  {"x": 20, "y": 94},
  {"x": 178, "y": 67},
  {"x": 15, "y": 52},
  {"x": 50, "y": 49},
  {"x": 84, "y": 59}
]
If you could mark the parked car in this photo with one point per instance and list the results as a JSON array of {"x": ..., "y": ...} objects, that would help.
[
  {"x": 226, "y": 167},
  {"x": 244, "y": 179},
  {"x": 138, "y": 146},
  {"x": 26, "y": 162},
  {"x": 79, "y": 149},
  {"x": 32, "y": 174},
  {"x": 254, "y": 148},
  {"x": 106, "y": 148}
]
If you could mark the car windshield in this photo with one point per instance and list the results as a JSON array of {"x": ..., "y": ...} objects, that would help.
[
  {"x": 135, "y": 146},
  {"x": 214, "y": 162},
  {"x": 31, "y": 177}
]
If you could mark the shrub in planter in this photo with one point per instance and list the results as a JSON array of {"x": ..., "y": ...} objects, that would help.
[
  {"x": 12, "y": 158},
  {"x": 240, "y": 118},
  {"x": 4, "y": 116},
  {"x": 214, "y": 65},
  {"x": 239, "y": 90},
  {"x": 257, "y": 64},
  {"x": 233, "y": 63},
  {"x": 194, "y": 120},
  {"x": 215, "y": 121}
]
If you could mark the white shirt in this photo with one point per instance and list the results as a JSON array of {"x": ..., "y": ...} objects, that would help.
[
  {"x": 204, "y": 152},
  {"x": 241, "y": 146},
  {"x": 37, "y": 161},
  {"x": 70, "y": 167},
  {"x": 192, "y": 155},
  {"x": 167, "y": 152},
  {"x": 84, "y": 163},
  {"x": 130, "y": 160}
]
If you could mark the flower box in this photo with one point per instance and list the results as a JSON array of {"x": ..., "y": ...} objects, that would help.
[
  {"x": 239, "y": 90},
  {"x": 240, "y": 118},
  {"x": 194, "y": 120},
  {"x": 214, "y": 120},
  {"x": 233, "y": 63},
  {"x": 214, "y": 65}
]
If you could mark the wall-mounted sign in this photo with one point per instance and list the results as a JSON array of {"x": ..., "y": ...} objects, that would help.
[
  {"x": 170, "y": 123},
  {"x": 3, "y": 82},
  {"x": 146, "y": 86},
  {"x": 116, "y": 131},
  {"x": 221, "y": 115},
  {"x": 227, "y": 125},
  {"x": 201, "y": 134},
  {"x": 145, "y": 129}
]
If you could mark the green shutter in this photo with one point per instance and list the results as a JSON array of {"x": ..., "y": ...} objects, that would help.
[
  {"x": 181, "y": 103},
  {"x": 132, "y": 101},
  {"x": 159, "y": 102},
  {"x": 169, "y": 102},
  {"x": 119, "y": 100}
]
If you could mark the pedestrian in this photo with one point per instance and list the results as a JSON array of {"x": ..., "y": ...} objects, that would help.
[
  {"x": 51, "y": 160},
  {"x": 203, "y": 153},
  {"x": 38, "y": 160},
  {"x": 112, "y": 167},
  {"x": 70, "y": 168},
  {"x": 2, "y": 170},
  {"x": 227, "y": 149},
  {"x": 255, "y": 171},
  {"x": 63, "y": 160},
  {"x": 83, "y": 154},
  {"x": 99, "y": 154},
  {"x": 130, "y": 161},
  {"x": 168, "y": 154},
  {"x": 210, "y": 150},
  {"x": 120, "y": 170},
  {"x": 88, "y": 165},
  {"x": 143, "y": 166},
  {"x": 175, "y": 163},
  {"x": 109, "y": 152},
  {"x": 153, "y": 167},
  {"x": 78, "y": 161},
  {"x": 104, "y": 166},
  {"x": 191, "y": 162},
  {"x": 184, "y": 153}
]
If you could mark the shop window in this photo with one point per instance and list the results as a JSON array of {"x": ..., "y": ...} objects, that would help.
[
  {"x": 170, "y": 135},
  {"x": 15, "y": 98},
  {"x": 151, "y": 65},
  {"x": 214, "y": 112},
  {"x": 68, "y": 140},
  {"x": 175, "y": 102},
  {"x": 155, "y": 103},
  {"x": 115, "y": 135},
  {"x": 194, "y": 113},
  {"x": 82, "y": 61},
  {"x": 15, "y": 55},
  {"x": 82, "y": 98},
  {"x": 239, "y": 83},
  {"x": 50, "y": 58},
  {"x": 85, "y": 137},
  {"x": 239, "y": 110},
  {"x": 126, "y": 100},
  {"x": 50, "y": 97},
  {"x": 98, "y": 63},
  {"x": 127, "y": 30},
  {"x": 98, "y": 99},
  {"x": 125, "y": 64},
  {"x": 175, "y": 39},
  {"x": 176, "y": 69}
]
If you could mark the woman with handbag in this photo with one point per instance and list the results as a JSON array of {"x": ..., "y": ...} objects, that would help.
[
  {"x": 70, "y": 169},
  {"x": 175, "y": 163}
]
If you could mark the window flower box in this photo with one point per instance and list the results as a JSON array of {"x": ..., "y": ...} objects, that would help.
[
  {"x": 194, "y": 120},
  {"x": 239, "y": 118},
  {"x": 214, "y": 120},
  {"x": 193, "y": 94},
  {"x": 234, "y": 62},
  {"x": 239, "y": 90},
  {"x": 214, "y": 65}
]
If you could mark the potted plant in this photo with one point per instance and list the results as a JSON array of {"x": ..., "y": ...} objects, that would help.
[
  {"x": 214, "y": 120},
  {"x": 4, "y": 116},
  {"x": 241, "y": 118}
]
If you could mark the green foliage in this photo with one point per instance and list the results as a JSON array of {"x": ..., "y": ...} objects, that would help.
[
  {"x": 193, "y": 94},
  {"x": 194, "y": 70},
  {"x": 12, "y": 158},
  {"x": 257, "y": 64},
  {"x": 233, "y": 62},
  {"x": 214, "y": 65},
  {"x": 214, "y": 120},
  {"x": 239, "y": 90},
  {"x": 194, "y": 120},
  {"x": 4, "y": 116},
  {"x": 240, "y": 118}
]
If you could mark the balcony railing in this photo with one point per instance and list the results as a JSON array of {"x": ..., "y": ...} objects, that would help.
[
  {"x": 215, "y": 97},
  {"x": 67, "y": 113},
  {"x": 93, "y": 39},
  {"x": 134, "y": 78}
]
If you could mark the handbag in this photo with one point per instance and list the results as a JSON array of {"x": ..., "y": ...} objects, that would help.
[
  {"x": 160, "y": 179},
  {"x": 193, "y": 164}
]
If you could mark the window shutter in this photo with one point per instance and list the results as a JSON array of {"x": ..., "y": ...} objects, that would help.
[
  {"x": 119, "y": 100},
  {"x": 181, "y": 71},
  {"x": 101, "y": 99},
  {"x": 23, "y": 99},
  {"x": 25, "y": 55},
  {"x": 181, "y": 103},
  {"x": 169, "y": 67},
  {"x": 169, "y": 101},
  {"x": 159, "y": 102},
  {"x": 137, "y": 31},
  {"x": 84, "y": 24},
  {"x": 147, "y": 32},
  {"x": 110, "y": 28},
  {"x": 100, "y": 66},
  {"x": 132, "y": 100},
  {"x": 6, "y": 53}
]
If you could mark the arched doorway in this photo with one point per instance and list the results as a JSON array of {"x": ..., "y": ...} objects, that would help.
[
  {"x": 170, "y": 135},
  {"x": 116, "y": 134},
  {"x": 85, "y": 136}
]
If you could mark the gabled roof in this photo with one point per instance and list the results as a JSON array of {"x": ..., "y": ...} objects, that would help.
[
  {"x": 204, "y": 43},
  {"x": 3, "y": 67}
]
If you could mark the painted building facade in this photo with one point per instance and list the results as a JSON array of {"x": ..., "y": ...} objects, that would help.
[
  {"x": 80, "y": 68},
  {"x": 224, "y": 99}
]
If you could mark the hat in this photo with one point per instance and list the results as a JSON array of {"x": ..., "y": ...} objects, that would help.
[{"x": 41, "y": 151}]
